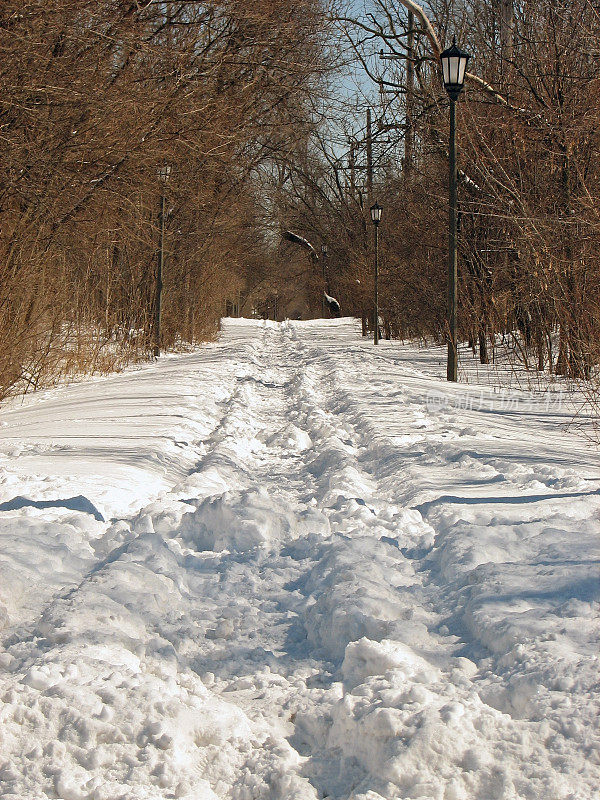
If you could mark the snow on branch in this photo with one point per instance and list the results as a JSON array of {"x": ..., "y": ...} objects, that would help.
[{"x": 294, "y": 237}]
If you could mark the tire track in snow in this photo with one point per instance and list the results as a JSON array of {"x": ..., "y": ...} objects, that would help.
[
  {"x": 302, "y": 648},
  {"x": 130, "y": 402},
  {"x": 86, "y": 546},
  {"x": 32, "y": 651}
]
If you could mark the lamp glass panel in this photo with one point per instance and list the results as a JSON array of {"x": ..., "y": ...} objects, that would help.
[
  {"x": 446, "y": 70},
  {"x": 454, "y": 69}
]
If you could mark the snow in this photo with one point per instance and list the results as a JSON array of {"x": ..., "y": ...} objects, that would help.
[{"x": 293, "y": 566}]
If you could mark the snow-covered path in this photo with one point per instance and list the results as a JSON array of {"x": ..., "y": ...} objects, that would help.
[{"x": 288, "y": 566}]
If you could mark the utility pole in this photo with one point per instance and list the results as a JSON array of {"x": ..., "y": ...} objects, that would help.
[
  {"x": 409, "y": 132},
  {"x": 507, "y": 13},
  {"x": 369, "y": 143}
]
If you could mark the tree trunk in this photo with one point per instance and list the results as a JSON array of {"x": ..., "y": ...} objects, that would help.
[{"x": 483, "y": 349}]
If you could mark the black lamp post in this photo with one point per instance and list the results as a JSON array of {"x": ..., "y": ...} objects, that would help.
[
  {"x": 376, "y": 219},
  {"x": 164, "y": 173},
  {"x": 454, "y": 65},
  {"x": 324, "y": 252}
]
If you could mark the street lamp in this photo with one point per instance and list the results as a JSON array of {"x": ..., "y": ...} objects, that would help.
[
  {"x": 376, "y": 219},
  {"x": 324, "y": 252},
  {"x": 164, "y": 173},
  {"x": 454, "y": 65}
]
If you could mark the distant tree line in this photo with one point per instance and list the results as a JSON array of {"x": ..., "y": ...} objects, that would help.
[
  {"x": 95, "y": 97},
  {"x": 242, "y": 102}
]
